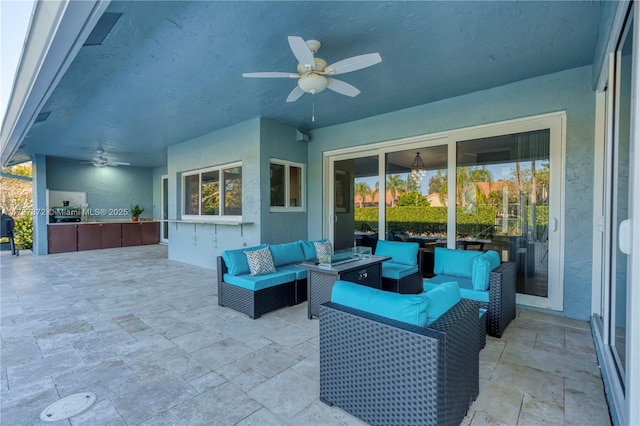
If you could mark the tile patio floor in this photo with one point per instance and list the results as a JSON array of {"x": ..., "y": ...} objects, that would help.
[{"x": 147, "y": 336}]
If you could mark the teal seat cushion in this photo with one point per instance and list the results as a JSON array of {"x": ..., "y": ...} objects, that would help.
[
  {"x": 457, "y": 263},
  {"x": 465, "y": 284},
  {"x": 397, "y": 271},
  {"x": 441, "y": 298},
  {"x": 300, "y": 273},
  {"x": 236, "y": 260},
  {"x": 482, "y": 267},
  {"x": 407, "y": 308},
  {"x": 399, "y": 252},
  {"x": 259, "y": 282},
  {"x": 284, "y": 254},
  {"x": 309, "y": 249}
]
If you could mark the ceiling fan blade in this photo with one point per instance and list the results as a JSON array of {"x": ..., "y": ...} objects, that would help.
[
  {"x": 301, "y": 52},
  {"x": 117, "y": 163},
  {"x": 295, "y": 94},
  {"x": 269, "y": 75},
  {"x": 353, "y": 64},
  {"x": 343, "y": 88}
]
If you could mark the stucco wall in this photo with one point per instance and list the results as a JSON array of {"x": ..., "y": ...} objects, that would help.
[
  {"x": 279, "y": 141},
  {"x": 109, "y": 188},
  {"x": 199, "y": 244},
  {"x": 568, "y": 90}
]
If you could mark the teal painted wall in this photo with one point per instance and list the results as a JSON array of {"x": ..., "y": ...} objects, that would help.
[
  {"x": 568, "y": 90},
  {"x": 199, "y": 244},
  {"x": 108, "y": 188},
  {"x": 158, "y": 172},
  {"x": 279, "y": 141},
  {"x": 39, "y": 185}
]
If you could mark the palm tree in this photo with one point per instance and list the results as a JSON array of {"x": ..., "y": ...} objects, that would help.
[
  {"x": 395, "y": 185},
  {"x": 362, "y": 189}
]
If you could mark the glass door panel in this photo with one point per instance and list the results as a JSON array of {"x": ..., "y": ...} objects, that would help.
[
  {"x": 165, "y": 209},
  {"x": 621, "y": 200},
  {"x": 355, "y": 202},
  {"x": 502, "y": 202},
  {"x": 416, "y": 199}
]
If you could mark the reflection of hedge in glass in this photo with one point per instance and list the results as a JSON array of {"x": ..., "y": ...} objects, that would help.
[
  {"x": 233, "y": 191},
  {"x": 277, "y": 185},
  {"x": 210, "y": 193}
]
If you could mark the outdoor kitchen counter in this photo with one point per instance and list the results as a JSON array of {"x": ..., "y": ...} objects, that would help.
[{"x": 74, "y": 236}]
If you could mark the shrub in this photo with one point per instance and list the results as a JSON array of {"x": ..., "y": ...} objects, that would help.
[{"x": 23, "y": 232}]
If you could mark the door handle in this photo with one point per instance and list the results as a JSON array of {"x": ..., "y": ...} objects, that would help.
[
  {"x": 335, "y": 218},
  {"x": 624, "y": 236},
  {"x": 554, "y": 224}
]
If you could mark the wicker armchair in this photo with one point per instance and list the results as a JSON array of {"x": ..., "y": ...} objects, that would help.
[
  {"x": 501, "y": 309},
  {"x": 390, "y": 373}
]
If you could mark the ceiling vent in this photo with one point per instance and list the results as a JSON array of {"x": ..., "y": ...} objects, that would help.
[
  {"x": 43, "y": 116},
  {"x": 102, "y": 29}
]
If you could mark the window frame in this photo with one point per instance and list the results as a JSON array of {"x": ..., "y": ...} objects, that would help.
[
  {"x": 287, "y": 187},
  {"x": 199, "y": 172}
]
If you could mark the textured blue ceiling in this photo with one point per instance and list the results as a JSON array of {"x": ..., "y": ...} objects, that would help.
[{"x": 170, "y": 71}]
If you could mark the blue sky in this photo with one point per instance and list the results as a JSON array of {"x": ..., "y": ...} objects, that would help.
[{"x": 15, "y": 16}]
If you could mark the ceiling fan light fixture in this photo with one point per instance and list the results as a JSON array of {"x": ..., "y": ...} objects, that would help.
[{"x": 313, "y": 83}]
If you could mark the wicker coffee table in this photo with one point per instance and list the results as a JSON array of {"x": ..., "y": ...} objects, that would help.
[{"x": 320, "y": 280}]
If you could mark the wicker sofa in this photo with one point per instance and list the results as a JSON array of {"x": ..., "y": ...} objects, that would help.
[
  {"x": 257, "y": 295},
  {"x": 388, "y": 372},
  {"x": 468, "y": 268}
]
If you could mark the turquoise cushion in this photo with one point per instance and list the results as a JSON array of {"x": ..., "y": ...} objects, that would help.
[
  {"x": 236, "y": 260},
  {"x": 407, "y": 308},
  {"x": 399, "y": 252},
  {"x": 480, "y": 274},
  {"x": 259, "y": 282},
  {"x": 493, "y": 257},
  {"x": 482, "y": 267},
  {"x": 301, "y": 273},
  {"x": 457, "y": 263},
  {"x": 465, "y": 284},
  {"x": 284, "y": 254},
  {"x": 396, "y": 271},
  {"x": 309, "y": 249},
  {"x": 442, "y": 298}
]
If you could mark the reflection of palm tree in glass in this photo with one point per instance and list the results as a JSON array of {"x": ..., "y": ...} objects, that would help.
[
  {"x": 395, "y": 185},
  {"x": 362, "y": 190}
]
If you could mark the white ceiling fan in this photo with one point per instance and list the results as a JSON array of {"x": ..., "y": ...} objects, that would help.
[
  {"x": 313, "y": 72},
  {"x": 101, "y": 160}
]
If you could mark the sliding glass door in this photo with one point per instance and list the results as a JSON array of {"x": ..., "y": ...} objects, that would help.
[{"x": 494, "y": 187}]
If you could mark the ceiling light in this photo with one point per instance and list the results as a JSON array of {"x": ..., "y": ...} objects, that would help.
[
  {"x": 418, "y": 164},
  {"x": 313, "y": 83}
]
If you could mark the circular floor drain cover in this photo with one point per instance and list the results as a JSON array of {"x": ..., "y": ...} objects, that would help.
[{"x": 68, "y": 406}]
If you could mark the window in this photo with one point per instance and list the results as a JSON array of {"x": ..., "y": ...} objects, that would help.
[
  {"x": 203, "y": 195},
  {"x": 286, "y": 186}
]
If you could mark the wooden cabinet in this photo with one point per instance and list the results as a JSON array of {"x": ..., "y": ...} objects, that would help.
[
  {"x": 111, "y": 235},
  {"x": 62, "y": 238},
  {"x": 150, "y": 233},
  {"x": 131, "y": 234},
  {"x": 89, "y": 237}
]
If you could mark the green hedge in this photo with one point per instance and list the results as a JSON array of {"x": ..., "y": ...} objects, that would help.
[{"x": 433, "y": 220}]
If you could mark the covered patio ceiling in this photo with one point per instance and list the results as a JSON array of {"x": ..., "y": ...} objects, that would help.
[{"x": 171, "y": 71}]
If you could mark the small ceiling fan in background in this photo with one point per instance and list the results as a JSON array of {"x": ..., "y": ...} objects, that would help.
[
  {"x": 101, "y": 160},
  {"x": 313, "y": 73}
]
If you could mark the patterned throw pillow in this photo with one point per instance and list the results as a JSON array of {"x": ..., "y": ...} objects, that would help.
[
  {"x": 323, "y": 248},
  {"x": 260, "y": 261}
]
